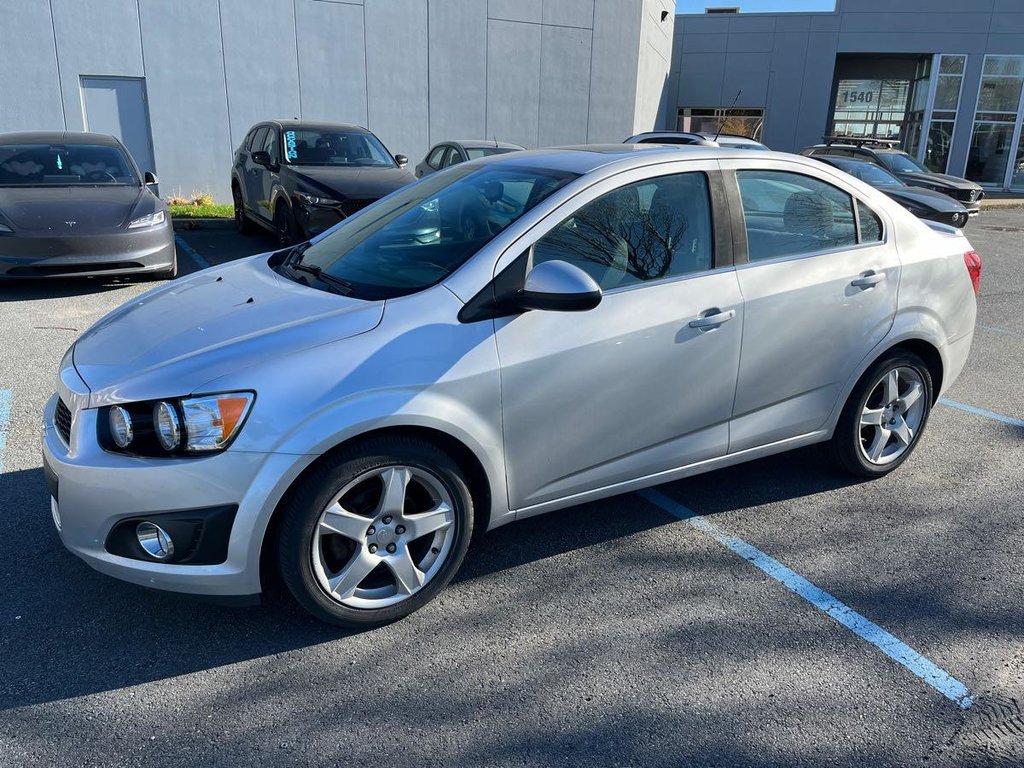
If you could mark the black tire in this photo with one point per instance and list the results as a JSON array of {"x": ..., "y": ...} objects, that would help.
[
  {"x": 242, "y": 222},
  {"x": 284, "y": 228},
  {"x": 848, "y": 441},
  {"x": 301, "y": 516}
]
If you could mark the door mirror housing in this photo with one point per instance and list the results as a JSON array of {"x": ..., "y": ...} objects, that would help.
[
  {"x": 150, "y": 178},
  {"x": 261, "y": 157},
  {"x": 402, "y": 160},
  {"x": 559, "y": 287}
]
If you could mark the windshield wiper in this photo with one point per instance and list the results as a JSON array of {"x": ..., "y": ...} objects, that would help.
[{"x": 344, "y": 286}]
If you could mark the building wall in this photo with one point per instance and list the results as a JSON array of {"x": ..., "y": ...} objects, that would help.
[
  {"x": 785, "y": 63},
  {"x": 535, "y": 72}
]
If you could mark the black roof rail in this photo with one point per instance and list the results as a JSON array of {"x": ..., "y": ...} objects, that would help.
[{"x": 860, "y": 141}]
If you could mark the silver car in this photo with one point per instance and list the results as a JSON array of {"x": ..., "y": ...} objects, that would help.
[
  {"x": 75, "y": 204},
  {"x": 501, "y": 339}
]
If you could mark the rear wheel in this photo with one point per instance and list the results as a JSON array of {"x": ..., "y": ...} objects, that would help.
[
  {"x": 242, "y": 222},
  {"x": 885, "y": 416},
  {"x": 376, "y": 533}
]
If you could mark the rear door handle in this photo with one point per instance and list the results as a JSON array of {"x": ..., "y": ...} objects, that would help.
[
  {"x": 713, "y": 318},
  {"x": 868, "y": 280}
]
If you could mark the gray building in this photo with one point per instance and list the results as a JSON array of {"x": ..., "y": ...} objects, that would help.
[
  {"x": 942, "y": 76},
  {"x": 180, "y": 81}
]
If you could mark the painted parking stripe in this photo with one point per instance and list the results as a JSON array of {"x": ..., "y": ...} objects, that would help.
[
  {"x": 5, "y": 417},
  {"x": 192, "y": 252},
  {"x": 888, "y": 644},
  {"x": 982, "y": 412},
  {"x": 1003, "y": 331}
]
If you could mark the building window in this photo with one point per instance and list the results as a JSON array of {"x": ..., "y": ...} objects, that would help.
[
  {"x": 996, "y": 122},
  {"x": 737, "y": 122},
  {"x": 870, "y": 108}
]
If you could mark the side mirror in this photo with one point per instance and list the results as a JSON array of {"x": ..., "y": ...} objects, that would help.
[
  {"x": 402, "y": 160},
  {"x": 260, "y": 157},
  {"x": 150, "y": 178},
  {"x": 560, "y": 287}
]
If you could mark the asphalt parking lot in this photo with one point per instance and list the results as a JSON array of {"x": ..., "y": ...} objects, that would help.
[{"x": 612, "y": 633}]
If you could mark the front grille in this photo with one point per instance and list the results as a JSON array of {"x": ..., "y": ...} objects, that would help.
[
  {"x": 969, "y": 195},
  {"x": 353, "y": 205},
  {"x": 62, "y": 420}
]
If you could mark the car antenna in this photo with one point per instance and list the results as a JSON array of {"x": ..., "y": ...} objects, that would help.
[
  {"x": 495, "y": 137},
  {"x": 721, "y": 123}
]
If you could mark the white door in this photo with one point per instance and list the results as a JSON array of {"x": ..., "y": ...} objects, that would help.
[{"x": 117, "y": 106}]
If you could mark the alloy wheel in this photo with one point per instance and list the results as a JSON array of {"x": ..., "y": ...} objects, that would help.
[
  {"x": 383, "y": 537},
  {"x": 892, "y": 415}
]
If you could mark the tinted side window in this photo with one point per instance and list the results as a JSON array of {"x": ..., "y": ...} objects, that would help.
[
  {"x": 870, "y": 224},
  {"x": 258, "y": 137},
  {"x": 270, "y": 145},
  {"x": 789, "y": 214},
  {"x": 647, "y": 230},
  {"x": 434, "y": 160},
  {"x": 452, "y": 158}
]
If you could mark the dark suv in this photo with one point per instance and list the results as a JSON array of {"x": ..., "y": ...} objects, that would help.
[
  {"x": 888, "y": 155},
  {"x": 298, "y": 179}
]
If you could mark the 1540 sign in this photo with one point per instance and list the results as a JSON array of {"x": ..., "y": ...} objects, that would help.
[{"x": 858, "y": 97}]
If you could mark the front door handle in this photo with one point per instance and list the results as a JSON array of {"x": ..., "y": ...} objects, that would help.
[
  {"x": 868, "y": 280},
  {"x": 713, "y": 318}
]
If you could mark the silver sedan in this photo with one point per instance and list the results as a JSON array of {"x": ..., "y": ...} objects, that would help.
[{"x": 505, "y": 338}]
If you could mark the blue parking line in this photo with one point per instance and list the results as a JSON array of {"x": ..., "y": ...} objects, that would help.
[
  {"x": 5, "y": 417},
  {"x": 982, "y": 412},
  {"x": 891, "y": 646},
  {"x": 192, "y": 252}
]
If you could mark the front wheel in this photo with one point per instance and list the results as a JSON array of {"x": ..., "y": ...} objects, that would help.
[
  {"x": 376, "y": 533},
  {"x": 885, "y": 416},
  {"x": 283, "y": 228}
]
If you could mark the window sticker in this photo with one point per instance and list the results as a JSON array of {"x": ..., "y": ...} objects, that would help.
[
  {"x": 289, "y": 143},
  {"x": 60, "y": 165}
]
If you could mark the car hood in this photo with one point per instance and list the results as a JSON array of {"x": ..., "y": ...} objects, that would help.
[
  {"x": 49, "y": 209},
  {"x": 928, "y": 198},
  {"x": 938, "y": 180},
  {"x": 172, "y": 340},
  {"x": 353, "y": 182}
]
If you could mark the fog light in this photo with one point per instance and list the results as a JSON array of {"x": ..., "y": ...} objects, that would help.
[
  {"x": 154, "y": 540},
  {"x": 120, "y": 426}
]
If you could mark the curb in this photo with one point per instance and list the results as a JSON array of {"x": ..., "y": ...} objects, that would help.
[{"x": 186, "y": 224}]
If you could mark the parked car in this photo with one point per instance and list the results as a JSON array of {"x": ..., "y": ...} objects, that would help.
[
  {"x": 671, "y": 137},
  {"x": 349, "y": 410},
  {"x": 923, "y": 203},
  {"x": 299, "y": 178},
  {"x": 76, "y": 204},
  {"x": 449, "y": 153},
  {"x": 734, "y": 141},
  {"x": 888, "y": 155}
]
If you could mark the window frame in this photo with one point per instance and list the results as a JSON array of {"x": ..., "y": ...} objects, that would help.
[
  {"x": 441, "y": 150},
  {"x": 741, "y": 248}
]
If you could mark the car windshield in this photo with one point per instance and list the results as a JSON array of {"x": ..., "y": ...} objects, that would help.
[
  {"x": 900, "y": 162},
  {"x": 419, "y": 235},
  {"x": 475, "y": 153},
  {"x": 62, "y": 165},
  {"x": 870, "y": 173},
  {"x": 311, "y": 146}
]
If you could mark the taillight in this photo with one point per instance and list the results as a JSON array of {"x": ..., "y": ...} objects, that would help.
[{"x": 973, "y": 262}]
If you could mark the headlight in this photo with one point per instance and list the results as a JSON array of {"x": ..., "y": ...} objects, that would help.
[
  {"x": 121, "y": 427},
  {"x": 211, "y": 422},
  {"x": 151, "y": 220},
  {"x": 307, "y": 199},
  {"x": 189, "y": 425}
]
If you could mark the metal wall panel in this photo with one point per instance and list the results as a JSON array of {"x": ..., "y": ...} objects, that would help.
[{"x": 332, "y": 61}]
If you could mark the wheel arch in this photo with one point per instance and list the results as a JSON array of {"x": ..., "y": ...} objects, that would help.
[{"x": 476, "y": 478}]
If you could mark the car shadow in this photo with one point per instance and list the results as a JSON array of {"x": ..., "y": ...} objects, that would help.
[
  {"x": 34, "y": 289},
  {"x": 54, "y": 608}
]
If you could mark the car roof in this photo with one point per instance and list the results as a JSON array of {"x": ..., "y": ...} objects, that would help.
[
  {"x": 59, "y": 137},
  {"x": 481, "y": 144},
  {"x": 316, "y": 125},
  {"x": 585, "y": 158},
  {"x": 733, "y": 136}
]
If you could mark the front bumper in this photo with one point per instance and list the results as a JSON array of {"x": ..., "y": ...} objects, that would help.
[
  {"x": 94, "y": 490},
  {"x": 122, "y": 253}
]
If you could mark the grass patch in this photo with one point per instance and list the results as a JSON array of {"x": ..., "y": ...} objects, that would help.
[{"x": 211, "y": 211}]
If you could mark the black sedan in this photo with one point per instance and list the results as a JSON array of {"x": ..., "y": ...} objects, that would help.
[
  {"x": 299, "y": 178},
  {"x": 75, "y": 204},
  {"x": 449, "y": 153},
  {"x": 923, "y": 203}
]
